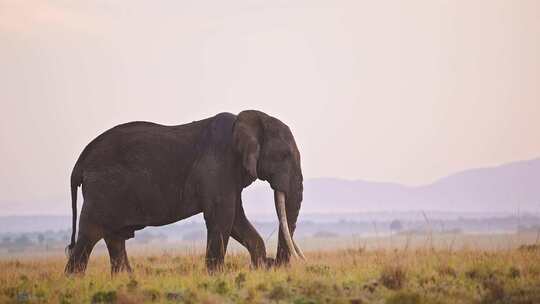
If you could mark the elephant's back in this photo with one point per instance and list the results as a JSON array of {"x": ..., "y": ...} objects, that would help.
[{"x": 139, "y": 143}]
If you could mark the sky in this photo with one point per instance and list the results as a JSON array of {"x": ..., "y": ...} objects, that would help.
[{"x": 395, "y": 91}]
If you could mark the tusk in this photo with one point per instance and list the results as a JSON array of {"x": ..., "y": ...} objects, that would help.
[
  {"x": 299, "y": 251},
  {"x": 279, "y": 198}
]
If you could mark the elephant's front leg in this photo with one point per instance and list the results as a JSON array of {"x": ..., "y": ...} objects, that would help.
[
  {"x": 244, "y": 232},
  {"x": 219, "y": 220}
]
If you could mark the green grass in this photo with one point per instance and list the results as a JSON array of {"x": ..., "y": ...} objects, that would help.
[{"x": 340, "y": 276}]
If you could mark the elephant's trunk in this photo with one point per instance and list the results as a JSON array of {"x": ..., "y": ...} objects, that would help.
[{"x": 293, "y": 248}]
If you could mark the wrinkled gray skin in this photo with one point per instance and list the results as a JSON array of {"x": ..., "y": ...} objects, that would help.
[{"x": 142, "y": 174}]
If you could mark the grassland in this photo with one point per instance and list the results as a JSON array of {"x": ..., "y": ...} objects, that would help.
[{"x": 360, "y": 274}]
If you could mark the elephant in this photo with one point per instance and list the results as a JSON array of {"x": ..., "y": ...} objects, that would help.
[{"x": 141, "y": 174}]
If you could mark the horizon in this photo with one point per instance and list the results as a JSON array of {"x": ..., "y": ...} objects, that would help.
[{"x": 23, "y": 224}]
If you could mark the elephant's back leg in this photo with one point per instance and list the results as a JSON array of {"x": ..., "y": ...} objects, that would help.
[
  {"x": 89, "y": 234},
  {"x": 117, "y": 253}
]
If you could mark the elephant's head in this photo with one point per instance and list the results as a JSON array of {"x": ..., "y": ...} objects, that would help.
[{"x": 268, "y": 152}]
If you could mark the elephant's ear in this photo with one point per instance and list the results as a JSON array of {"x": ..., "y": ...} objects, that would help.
[{"x": 246, "y": 133}]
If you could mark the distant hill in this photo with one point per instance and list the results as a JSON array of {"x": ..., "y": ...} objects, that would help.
[{"x": 511, "y": 187}]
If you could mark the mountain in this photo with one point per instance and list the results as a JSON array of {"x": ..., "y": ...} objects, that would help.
[{"x": 512, "y": 187}]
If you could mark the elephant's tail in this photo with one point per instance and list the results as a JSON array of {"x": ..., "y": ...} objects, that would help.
[{"x": 76, "y": 180}]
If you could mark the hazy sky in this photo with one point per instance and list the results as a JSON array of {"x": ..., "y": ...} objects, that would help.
[{"x": 400, "y": 91}]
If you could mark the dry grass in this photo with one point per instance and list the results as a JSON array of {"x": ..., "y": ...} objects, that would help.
[{"x": 344, "y": 276}]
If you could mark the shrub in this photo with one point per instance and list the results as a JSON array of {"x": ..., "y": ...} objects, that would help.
[
  {"x": 221, "y": 287},
  {"x": 174, "y": 296},
  {"x": 261, "y": 287},
  {"x": 151, "y": 295},
  {"x": 304, "y": 301},
  {"x": 530, "y": 248},
  {"x": 104, "y": 297},
  {"x": 278, "y": 293},
  {"x": 314, "y": 288},
  {"x": 393, "y": 277},
  {"x": 447, "y": 270},
  {"x": 404, "y": 298},
  {"x": 495, "y": 291},
  {"x": 318, "y": 269},
  {"x": 514, "y": 272},
  {"x": 240, "y": 280},
  {"x": 132, "y": 285}
]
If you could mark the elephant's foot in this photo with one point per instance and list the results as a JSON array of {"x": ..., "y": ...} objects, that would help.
[{"x": 214, "y": 266}]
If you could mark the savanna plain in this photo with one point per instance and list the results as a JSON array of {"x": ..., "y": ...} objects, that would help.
[{"x": 396, "y": 269}]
